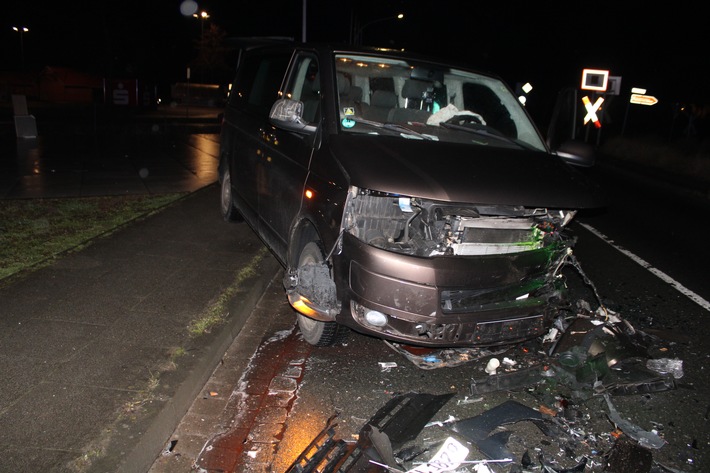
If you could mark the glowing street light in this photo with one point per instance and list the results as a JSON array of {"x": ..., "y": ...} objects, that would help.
[
  {"x": 358, "y": 32},
  {"x": 202, "y": 16},
  {"x": 22, "y": 30}
]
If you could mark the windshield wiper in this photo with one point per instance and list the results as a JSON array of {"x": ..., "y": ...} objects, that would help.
[
  {"x": 487, "y": 131},
  {"x": 396, "y": 128}
]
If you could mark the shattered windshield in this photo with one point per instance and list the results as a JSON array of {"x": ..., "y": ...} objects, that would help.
[{"x": 428, "y": 101}]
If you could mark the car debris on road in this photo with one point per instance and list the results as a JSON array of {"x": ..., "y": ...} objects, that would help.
[{"x": 594, "y": 354}]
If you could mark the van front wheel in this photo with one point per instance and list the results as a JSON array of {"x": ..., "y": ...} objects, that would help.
[{"x": 317, "y": 332}]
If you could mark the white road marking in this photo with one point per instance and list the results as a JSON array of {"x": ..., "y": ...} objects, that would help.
[{"x": 657, "y": 272}]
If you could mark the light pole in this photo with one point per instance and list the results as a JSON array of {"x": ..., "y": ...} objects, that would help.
[
  {"x": 202, "y": 16},
  {"x": 22, "y": 30},
  {"x": 358, "y": 31}
]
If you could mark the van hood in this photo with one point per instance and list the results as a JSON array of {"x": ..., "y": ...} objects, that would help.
[{"x": 462, "y": 172}]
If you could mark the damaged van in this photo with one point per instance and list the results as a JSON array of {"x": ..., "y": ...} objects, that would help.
[{"x": 408, "y": 199}]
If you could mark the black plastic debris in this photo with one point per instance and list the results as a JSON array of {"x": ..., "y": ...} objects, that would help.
[
  {"x": 508, "y": 381},
  {"x": 591, "y": 357},
  {"x": 478, "y": 429},
  {"x": 324, "y": 453},
  {"x": 399, "y": 421}
]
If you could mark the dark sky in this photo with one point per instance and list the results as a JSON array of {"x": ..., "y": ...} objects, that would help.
[{"x": 545, "y": 42}]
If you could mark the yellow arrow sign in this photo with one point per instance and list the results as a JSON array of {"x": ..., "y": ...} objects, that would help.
[{"x": 643, "y": 99}]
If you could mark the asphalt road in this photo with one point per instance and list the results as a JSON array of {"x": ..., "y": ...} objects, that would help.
[{"x": 288, "y": 391}]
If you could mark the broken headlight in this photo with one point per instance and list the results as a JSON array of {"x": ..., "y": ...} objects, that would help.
[{"x": 424, "y": 227}]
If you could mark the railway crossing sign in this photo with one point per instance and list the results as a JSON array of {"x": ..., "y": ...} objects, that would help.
[{"x": 592, "y": 110}]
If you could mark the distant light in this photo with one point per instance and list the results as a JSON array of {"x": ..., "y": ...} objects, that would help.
[
  {"x": 188, "y": 7},
  {"x": 309, "y": 194},
  {"x": 638, "y": 90},
  {"x": 522, "y": 99},
  {"x": 400, "y": 16},
  {"x": 24, "y": 29},
  {"x": 527, "y": 87}
]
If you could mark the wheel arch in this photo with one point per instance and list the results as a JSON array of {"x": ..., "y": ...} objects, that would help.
[{"x": 303, "y": 232}]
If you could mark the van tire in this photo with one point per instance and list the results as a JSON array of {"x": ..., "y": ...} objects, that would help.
[
  {"x": 317, "y": 332},
  {"x": 226, "y": 199}
]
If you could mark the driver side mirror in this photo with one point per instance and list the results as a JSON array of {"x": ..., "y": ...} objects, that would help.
[
  {"x": 577, "y": 153},
  {"x": 288, "y": 114}
]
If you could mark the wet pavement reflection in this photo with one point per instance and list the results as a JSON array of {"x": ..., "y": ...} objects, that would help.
[{"x": 150, "y": 156}]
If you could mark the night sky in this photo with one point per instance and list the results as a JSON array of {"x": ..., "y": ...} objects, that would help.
[{"x": 547, "y": 43}]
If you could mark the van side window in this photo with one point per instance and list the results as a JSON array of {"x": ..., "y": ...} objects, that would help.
[
  {"x": 257, "y": 84},
  {"x": 304, "y": 84}
]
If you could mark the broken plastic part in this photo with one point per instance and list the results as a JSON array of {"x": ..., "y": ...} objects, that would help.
[
  {"x": 398, "y": 421},
  {"x": 429, "y": 359},
  {"x": 492, "y": 366},
  {"x": 507, "y": 381},
  {"x": 477, "y": 429},
  {"x": 644, "y": 438},
  {"x": 670, "y": 366}
]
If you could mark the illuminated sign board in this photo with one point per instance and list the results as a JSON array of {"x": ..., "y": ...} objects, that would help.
[
  {"x": 595, "y": 79},
  {"x": 643, "y": 99}
]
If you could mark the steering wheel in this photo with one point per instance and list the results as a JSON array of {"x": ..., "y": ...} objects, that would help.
[{"x": 474, "y": 120}]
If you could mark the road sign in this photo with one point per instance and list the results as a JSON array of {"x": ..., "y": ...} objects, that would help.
[
  {"x": 592, "y": 110},
  {"x": 594, "y": 79},
  {"x": 614, "y": 85},
  {"x": 643, "y": 99}
]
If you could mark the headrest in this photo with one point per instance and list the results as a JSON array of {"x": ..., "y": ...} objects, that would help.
[
  {"x": 343, "y": 84},
  {"x": 414, "y": 89},
  {"x": 383, "y": 98}
]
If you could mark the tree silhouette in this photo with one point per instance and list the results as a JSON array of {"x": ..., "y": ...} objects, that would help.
[{"x": 210, "y": 63}]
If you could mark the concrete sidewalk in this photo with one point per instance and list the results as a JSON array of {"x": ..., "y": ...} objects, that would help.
[
  {"x": 97, "y": 360},
  {"x": 98, "y": 364}
]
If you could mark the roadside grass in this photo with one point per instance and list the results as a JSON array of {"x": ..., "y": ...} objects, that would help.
[
  {"x": 689, "y": 159},
  {"x": 37, "y": 231}
]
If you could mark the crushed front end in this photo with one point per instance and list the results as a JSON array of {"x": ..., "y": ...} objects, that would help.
[{"x": 431, "y": 273}]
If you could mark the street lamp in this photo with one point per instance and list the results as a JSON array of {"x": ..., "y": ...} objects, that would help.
[
  {"x": 358, "y": 31},
  {"x": 22, "y": 30},
  {"x": 202, "y": 16}
]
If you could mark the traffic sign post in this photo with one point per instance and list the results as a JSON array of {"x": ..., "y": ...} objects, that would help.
[
  {"x": 643, "y": 99},
  {"x": 639, "y": 97}
]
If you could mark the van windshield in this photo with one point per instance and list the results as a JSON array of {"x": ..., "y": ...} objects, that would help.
[{"x": 436, "y": 102}]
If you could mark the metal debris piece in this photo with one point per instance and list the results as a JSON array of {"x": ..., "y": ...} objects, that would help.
[{"x": 644, "y": 438}]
